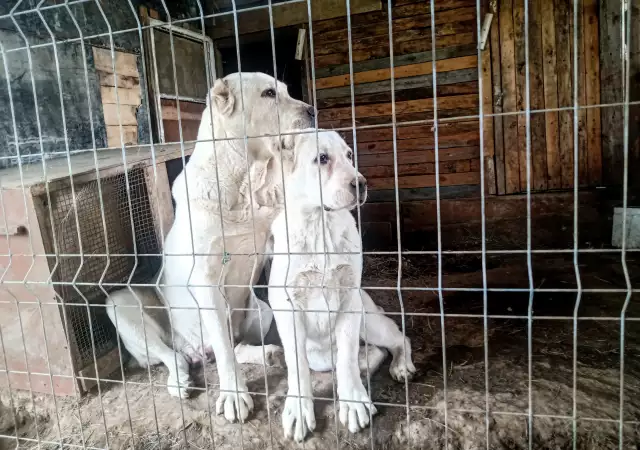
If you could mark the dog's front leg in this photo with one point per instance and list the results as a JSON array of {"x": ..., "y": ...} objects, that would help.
[
  {"x": 298, "y": 417},
  {"x": 355, "y": 404},
  {"x": 234, "y": 400}
]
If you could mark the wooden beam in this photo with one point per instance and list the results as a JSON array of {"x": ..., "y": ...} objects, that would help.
[
  {"x": 554, "y": 168},
  {"x": 564, "y": 67},
  {"x": 512, "y": 160},
  {"x": 592, "y": 87},
  {"x": 538, "y": 135},
  {"x": 418, "y": 156},
  {"x": 452, "y": 102},
  {"x": 412, "y": 82},
  {"x": 498, "y": 129},
  {"x": 412, "y": 70},
  {"x": 418, "y": 181},
  {"x": 290, "y": 14},
  {"x": 487, "y": 108},
  {"x": 401, "y": 60}
]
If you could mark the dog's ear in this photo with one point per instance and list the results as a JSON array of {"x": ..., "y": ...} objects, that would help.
[{"x": 222, "y": 97}]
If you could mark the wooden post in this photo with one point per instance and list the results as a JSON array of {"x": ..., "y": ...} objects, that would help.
[{"x": 160, "y": 199}]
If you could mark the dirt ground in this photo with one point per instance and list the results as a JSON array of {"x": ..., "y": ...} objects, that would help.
[{"x": 458, "y": 376}]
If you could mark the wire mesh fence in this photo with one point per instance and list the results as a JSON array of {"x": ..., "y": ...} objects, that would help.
[{"x": 157, "y": 213}]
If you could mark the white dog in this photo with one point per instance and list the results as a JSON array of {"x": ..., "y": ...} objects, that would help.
[
  {"x": 325, "y": 252},
  {"x": 220, "y": 224}
]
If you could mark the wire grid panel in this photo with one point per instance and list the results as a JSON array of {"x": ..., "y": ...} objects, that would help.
[
  {"x": 91, "y": 270},
  {"x": 79, "y": 226}
]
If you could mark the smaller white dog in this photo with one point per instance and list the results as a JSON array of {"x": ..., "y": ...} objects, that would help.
[{"x": 314, "y": 322}]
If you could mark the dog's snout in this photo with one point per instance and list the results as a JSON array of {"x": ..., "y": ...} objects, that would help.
[
  {"x": 360, "y": 183},
  {"x": 311, "y": 111}
]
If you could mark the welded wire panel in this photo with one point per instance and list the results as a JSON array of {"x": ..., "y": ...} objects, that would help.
[{"x": 519, "y": 311}]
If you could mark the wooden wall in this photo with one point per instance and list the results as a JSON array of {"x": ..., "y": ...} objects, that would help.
[
  {"x": 124, "y": 111},
  {"x": 457, "y": 90},
  {"x": 551, "y": 72}
]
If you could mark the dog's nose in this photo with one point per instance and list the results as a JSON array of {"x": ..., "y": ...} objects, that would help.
[
  {"x": 311, "y": 111},
  {"x": 360, "y": 183}
]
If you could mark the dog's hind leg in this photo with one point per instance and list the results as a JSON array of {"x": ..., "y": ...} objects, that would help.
[
  {"x": 380, "y": 330},
  {"x": 143, "y": 338}
]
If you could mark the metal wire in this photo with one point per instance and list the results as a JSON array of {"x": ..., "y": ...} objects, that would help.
[{"x": 76, "y": 251}]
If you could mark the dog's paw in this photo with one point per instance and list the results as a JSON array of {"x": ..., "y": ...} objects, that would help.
[
  {"x": 234, "y": 401},
  {"x": 178, "y": 384},
  {"x": 298, "y": 418},
  {"x": 401, "y": 366},
  {"x": 355, "y": 409}
]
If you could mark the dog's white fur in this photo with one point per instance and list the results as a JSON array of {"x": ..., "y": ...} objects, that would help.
[
  {"x": 310, "y": 338},
  {"x": 216, "y": 196},
  {"x": 134, "y": 323}
]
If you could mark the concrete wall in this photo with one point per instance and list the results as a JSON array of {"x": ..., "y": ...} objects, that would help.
[{"x": 77, "y": 82}]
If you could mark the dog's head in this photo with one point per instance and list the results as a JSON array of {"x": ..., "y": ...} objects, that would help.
[
  {"x": 262, "y": 115},
  {"x": 323, "y": 175}
]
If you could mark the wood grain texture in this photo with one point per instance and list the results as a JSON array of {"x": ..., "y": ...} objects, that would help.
[
  {"x": 510, "y": 122},
  {"x": 592, "y": 91},
  {"x": 611, "y": 91},
  {"x": 554, "y": 169},
  {"x": 410, "y": 106},
  {"x": 398, "y": 60},
  {"x": 538, "y": 134},
  {"x": 564, "y": 67},
  {"x": 457, "y": 166},
  {"x": 417, "y": 181},
  {"x": 418, "y": 156},
  {"x": 125, "y": 63},
  {"x": 497, "y": 101},
  {"x": 412, "y": 70},
  {"x": 487, "y": 108},
  {"x": 402, "y": 48},
  {"x": 521, "y": 101}
]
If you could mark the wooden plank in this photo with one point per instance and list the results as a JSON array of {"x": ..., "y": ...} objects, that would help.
[
  {"x": 130, "y": 133},
  {"x": 418, "y": 181},
  {"x": 452, "y": 102},
  {"x": 399, "y": 24},
  {"x": 418, "y": 156},
  {"x": 411, "y": 82},
  {"x": 583, "y": 162},
  {"x": 126, "y": 63},
  {"x": 170, "y": 112},
  {"x": 402, "y": 48},
  {"x": 487, "y": 108},
  {"x": 521, "y": 143},
  {"x": 108, "y": 79},
  {"x": 564, "y": 68},
  {"x": 126, "y": 113},
  {"x": 458, "y": 166},
  {"x": 611, "y": 91},
  {"x": 592, "y": 91},
  {"x": 123, "y": 96},
  {"x": 412, "y": 70},
  {"x": 462, "y": 139},
  {"x": 496, "y": 78},
  {"x": 510, "y": 122},
  {"x": 290, "y": 14},
  {"x": 443, "y": 90},
  {"x": 422, "y": 116},
  {"x": 159, "y": 199},
  {"x": 366, "y": 41},
  {"x": 538, "y": 135},
  {"x": 398, "y": 60},
  {"x": 400, "y": 10},
  {"x": 554, "y": 168}
]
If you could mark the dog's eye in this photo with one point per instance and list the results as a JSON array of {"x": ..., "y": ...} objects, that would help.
[
  {"x": 269, "y": 93},
  {"x": 323, "y": 158}
]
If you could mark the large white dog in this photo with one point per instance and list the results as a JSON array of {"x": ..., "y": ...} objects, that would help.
[
  {"x": 209, "y": 262},
  {"x": 225, "y": 202},
  {"x": 326, "y": 252}
]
